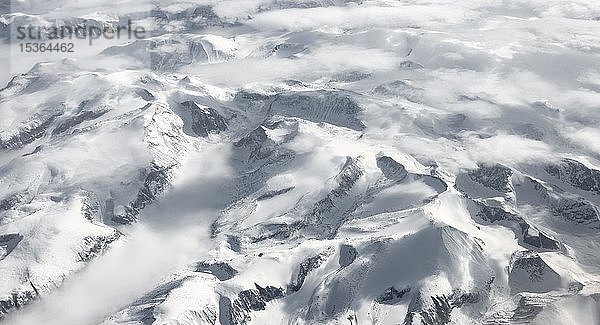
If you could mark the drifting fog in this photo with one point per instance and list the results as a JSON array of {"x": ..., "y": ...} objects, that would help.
[
  {"x": 499, "y": 62},
  {"x": 169, "y": 236}
]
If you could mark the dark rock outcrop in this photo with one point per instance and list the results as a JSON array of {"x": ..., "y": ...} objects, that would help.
[
  {"x": 94, "y": 246},
  {"x": 204, "y": 120},
  {"x": 437, "y": 310},
  {"x": 271, "y": 194},
  {"x": 238, "y": 311},
  {"x": 529, "y": 273},
  {"x": 319, "y": 106},
  {"x": 527, "y": 234},
  {"x": 77, "y": 119},
  {"x": 8, "y": 242},
  {"x": 496, "y": 177},
  {"x": 391, "y": 296},
  {"x": 16, "y": 300},
  {"x": 402, "y": 89},
  {"x": 34, "y": 130},
  {"x": 156, "y": 182},
  {"x": 347, "y": 255},
  {"x": 221, "y": 270},
  {"x": 391, "y": 169},
  {"x": 329, "y": 213},
  {"x": 304, "y": 268},
  {"x": 576, "y": 174}
]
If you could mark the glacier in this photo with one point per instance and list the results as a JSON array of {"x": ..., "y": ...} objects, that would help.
[{"x": 302, "y": 162}]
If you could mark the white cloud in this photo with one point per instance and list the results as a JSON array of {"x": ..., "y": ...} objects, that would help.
[
  {"x": 508, "y": 150},
  {"x": 355, "y": 17},
  {"x": 587, "y": 137},
  {"x": 173, "y": 234}
]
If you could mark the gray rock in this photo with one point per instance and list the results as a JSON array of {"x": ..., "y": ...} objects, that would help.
[
  {"x": 8, "y": 242},
  {"x": 157, "y": 181},
  {"x": 204, "y": 120},
  {"x": 329, "y": 213},
  {"x": 221, "y": 270},
  {"x": 529, "y": 273},
  {"x": 271, "y": 194},
  {"x": 496, "y": 177},
  {"x": 332, "y": 107},
  {"x": 391, "y": 169},
  {"x": 238, "y": 311},
  {"x": 347, "y": 255},
  {"x": 576, "y": 174},
  {"x": 400, "y": 88},
  {"x": 34, "y": 130},
  {"x": 304, "y": 268},
  {"x": 391, "y": 296}
]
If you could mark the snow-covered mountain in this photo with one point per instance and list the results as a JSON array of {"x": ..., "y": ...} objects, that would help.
[{"x": 302, "y": 162}]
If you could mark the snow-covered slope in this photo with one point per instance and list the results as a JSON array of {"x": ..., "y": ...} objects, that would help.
[{"x": 303, "y": 162}]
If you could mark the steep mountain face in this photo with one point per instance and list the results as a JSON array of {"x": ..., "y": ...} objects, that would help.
[{"x": 303, "y": 162}]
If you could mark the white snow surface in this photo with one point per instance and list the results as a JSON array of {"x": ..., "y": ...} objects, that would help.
[{"x": 303, "y": 162}]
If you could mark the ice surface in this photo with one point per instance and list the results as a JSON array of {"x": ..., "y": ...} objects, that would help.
[{"x": 303, "y": 162}]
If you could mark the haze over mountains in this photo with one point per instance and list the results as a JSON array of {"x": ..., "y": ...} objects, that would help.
[{"x": 303, "y": 162}]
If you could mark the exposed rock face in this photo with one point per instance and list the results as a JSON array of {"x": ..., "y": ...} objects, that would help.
[
  {"x": 28, "y": 133},
  {"x": 77, "y": 119},
  {"x": 347, "y": 255},
  {"x": 319, "y": 106},
  {"x": 257, "y": 157},
  {"x": 576, "y": 174},
  {"x": 496, "y": 177},
  {"x": 304, "y": 268},
  {"x": 528, "y": 272},
  {"x": 528, "y": 309},
  {"x": 238, "y": 311},
  {"x": 434, "y": 310},
  {"x": 438, "y": 314},
  {"x": 395, "y": 174},
  {"x": 494, "y": 214},
  {"x": 329, "y": 213},
  {"x": 529, "y": 305},
  {"x": 538, "y": 239},
  {"x": 16, "y": 300},
  {"x": 391, "y": 168},
  {"x": 392, "y": 296},
  {"x": 487, "y": 181},
  {"x": 156, "y": 182},
  {"x": 8, "y": 243},
  {"x": 567, "y": 208},
  {"x": 222, "y": 271},
  {"x": 13, "y": 200},
  {"x": 400, "y": 88},
  {"x": 145, "y": 94},
  {"x": 525, "y": 232},
  {"x": 274, "y": 193},
  {"x": 204, "y": 120},
  {"x": 578, "y": 211},
  {"x": 169, "y": 52},
  {"x": 91, "y": 247},
  {"x": 95, "y": 246},
  {"x": 278, "y": 231}
]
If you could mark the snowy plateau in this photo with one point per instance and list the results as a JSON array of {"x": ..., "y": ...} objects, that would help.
[{"x": 302, "y": 162}]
